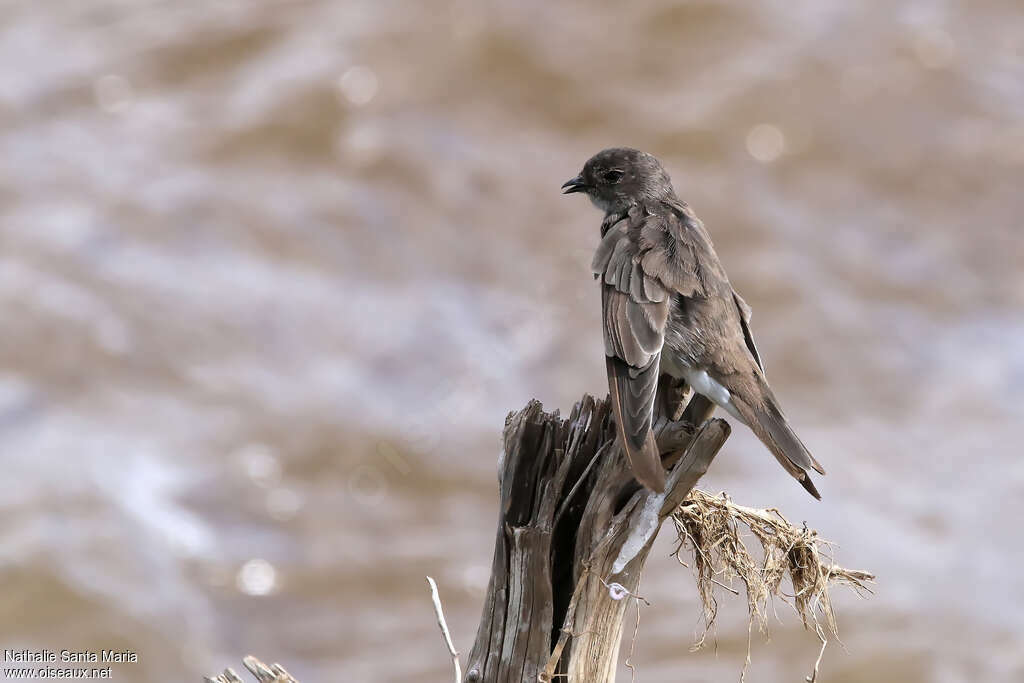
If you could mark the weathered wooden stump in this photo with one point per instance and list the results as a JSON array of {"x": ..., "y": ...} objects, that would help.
[{"x": 574, "y": 531}]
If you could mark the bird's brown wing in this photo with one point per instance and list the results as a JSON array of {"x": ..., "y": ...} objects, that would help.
[
  {"x": 635, "y": 306},
  {"x": 745, "y": 313},
  {"x": 633, "y": 385}
]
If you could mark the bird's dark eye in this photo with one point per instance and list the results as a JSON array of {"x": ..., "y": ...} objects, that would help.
[{"x": 612, "y": 176}]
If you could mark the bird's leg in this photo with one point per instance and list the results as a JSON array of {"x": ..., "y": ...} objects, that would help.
[
  {"x": 672, "y": 396},
  {"x": 674, "y": 434},
  {"x": 697, "y": 411},
  {"x": 676, "y": 420}
]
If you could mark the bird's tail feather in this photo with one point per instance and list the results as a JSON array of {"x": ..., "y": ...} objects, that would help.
[
  {"x": 632, "y": 393},
  {"x": 769, "y": 424}
]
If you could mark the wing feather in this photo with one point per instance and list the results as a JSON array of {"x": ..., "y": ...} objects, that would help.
[
  {"x": 604, "y": 250},
  {"x": 635, "y": 309}
]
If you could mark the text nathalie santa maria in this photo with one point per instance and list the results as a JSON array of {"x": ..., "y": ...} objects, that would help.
[{"x": 70, "y": 656}]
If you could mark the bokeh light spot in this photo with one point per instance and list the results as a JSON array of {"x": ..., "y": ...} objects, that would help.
[
  {"x": 256, "y": 577},
  {"x": 260, "y": 464},
  {"x": 358, "y": 85},
  {"x": 765, "y": 142}
]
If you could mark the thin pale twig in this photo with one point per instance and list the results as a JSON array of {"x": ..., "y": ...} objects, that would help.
[{"x": 444, "y": 629}]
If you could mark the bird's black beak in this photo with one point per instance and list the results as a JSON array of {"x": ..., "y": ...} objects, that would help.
[{"x": 577, "y": 184}]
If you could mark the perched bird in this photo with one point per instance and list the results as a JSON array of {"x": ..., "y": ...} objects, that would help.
[{"x": 668, "y": 307}]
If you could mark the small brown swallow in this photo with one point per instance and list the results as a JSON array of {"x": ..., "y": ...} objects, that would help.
[{"x": 668, "y": 307}]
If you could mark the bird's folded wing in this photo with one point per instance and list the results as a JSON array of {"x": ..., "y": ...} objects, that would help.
[{"x": 635, "y": 309}]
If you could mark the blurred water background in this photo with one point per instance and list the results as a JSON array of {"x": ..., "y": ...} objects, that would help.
[{"x": 272, "y": 274}]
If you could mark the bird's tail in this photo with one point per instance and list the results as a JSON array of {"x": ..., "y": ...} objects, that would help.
[{"x": 766, "y": 420}]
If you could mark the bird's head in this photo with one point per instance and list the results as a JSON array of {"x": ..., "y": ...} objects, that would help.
[{"x": 617, "y": 178}]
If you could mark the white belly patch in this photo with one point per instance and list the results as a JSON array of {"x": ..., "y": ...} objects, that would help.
[{"x": 702, "y": 383}]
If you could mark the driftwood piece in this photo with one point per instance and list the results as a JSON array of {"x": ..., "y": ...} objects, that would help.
[
  {"x": 274, "y": 673},
  {"x": 573, "y": 535}
]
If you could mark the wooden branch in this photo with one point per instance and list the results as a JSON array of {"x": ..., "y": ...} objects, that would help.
[
  {"x": 443, "y": 625},
  {"x": 274, "y": 673},
  {"x": 573, "y": 534}
]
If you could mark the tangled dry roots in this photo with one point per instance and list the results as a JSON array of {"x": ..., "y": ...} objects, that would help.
[{"x": 713, "y": 526}]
